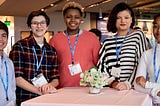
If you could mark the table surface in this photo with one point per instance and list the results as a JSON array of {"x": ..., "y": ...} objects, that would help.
[{"x": 79, "y": 96}]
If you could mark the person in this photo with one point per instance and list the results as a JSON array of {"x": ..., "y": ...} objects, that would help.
[
  {"x": 77, "y": 49},
  {"x": 35, "y": 61},
  {"x": 97, "y": 32},
  {"x": 7, "y": 76},
  {"x": 147, "y": 78},
  {"x": 120, "y": 53},
  {"x": 148, "y": 40}
]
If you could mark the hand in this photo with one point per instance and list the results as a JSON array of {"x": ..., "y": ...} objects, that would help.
[
  {"x": 121, "y": 86},
  {"x": 48, "y": 89},
  {"x": 141, "y": 81},
  {"x": 158, "y": 94}
]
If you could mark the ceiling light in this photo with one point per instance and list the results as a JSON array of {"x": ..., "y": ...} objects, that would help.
[
  {"x": 42, "y": 9},
  {"x": 100, "y": 13},
  {"x": 52, "y": 5}
]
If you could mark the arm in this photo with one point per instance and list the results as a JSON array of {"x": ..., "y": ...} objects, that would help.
[
  {"x": 17, "y": 57},
  {"x": 52, "y": 73},
  {"x": 102, "y": 64},
  {"x": 96, "y": 48},
  {"x": 50, "y": 87},
  {"x": 142, "y": 45},
  {"x": 140, "y": 79},
  {"x": 22, "y": 83}
]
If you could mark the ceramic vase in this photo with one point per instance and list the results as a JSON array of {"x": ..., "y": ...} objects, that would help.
[{"x": 94, "y": 90}]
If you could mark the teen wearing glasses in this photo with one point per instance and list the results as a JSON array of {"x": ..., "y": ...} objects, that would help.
[{"x": 35, "y": 61}]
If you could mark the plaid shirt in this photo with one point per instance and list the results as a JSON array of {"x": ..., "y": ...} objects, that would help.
[{"x": 24, "y": 59}]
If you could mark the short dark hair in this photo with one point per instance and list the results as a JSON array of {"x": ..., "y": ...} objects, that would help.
[
  {"x": 155, "y": 17},
  {"x": 96, "y": 32},
  {"x": 37, "y": 13},
  {"x": 111, "y": 25},
  {"x": 4, "y": 27}
]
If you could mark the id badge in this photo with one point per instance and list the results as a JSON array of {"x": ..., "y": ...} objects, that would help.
[
  {"x": 39, "y": 80},
  {"x": 116, "y": 72},
  {"x": 74, "y": 69}
]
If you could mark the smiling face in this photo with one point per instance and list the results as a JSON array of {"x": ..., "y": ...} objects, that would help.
[
  {"x": 72, "y": 19},
  {"x": 123, "y": 21},
  {"x": 39, "y": 26},
  {"x": 3, "y": 40},
  {"x": 156, "y": 29}
]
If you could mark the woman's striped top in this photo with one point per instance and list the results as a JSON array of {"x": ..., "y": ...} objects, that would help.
[{"x": 134, "y": 44}]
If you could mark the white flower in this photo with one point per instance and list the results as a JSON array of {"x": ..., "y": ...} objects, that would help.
[
  {"x": 93, "y": 78},
  {"x": 81, "y": 75}
]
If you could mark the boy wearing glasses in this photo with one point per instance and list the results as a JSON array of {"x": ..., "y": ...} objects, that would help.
[{"x": 35, "y": 61}]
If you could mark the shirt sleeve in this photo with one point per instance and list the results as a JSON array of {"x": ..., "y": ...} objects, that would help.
[
  {"x": 96, "y": 49},
  {"x": 142, "y": 71},
  {"x": 101, "y": 63},
  {"x": 16, "y": 55}
]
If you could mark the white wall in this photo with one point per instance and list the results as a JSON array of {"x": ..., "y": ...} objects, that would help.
[{"x": 57, "y": 24}]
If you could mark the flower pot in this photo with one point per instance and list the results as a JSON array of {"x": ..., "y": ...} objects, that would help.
[{"x": 94, "y": 90}]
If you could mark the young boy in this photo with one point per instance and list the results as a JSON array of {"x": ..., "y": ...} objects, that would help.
[
  {"x": 147, "y": 78},
  {"x": 7, "y": 76}
]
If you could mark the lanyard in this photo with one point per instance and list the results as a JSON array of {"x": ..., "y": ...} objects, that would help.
[
  {"x": 154, "y": 63},
  {"x": 72, "y": 50},
  {"x": 38, "y": 63},
  {"x": 5, "y": 86},
  {"x": 118, "y": 50}
]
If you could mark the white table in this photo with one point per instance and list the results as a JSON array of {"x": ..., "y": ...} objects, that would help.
[{"x": 79, "y": 96}]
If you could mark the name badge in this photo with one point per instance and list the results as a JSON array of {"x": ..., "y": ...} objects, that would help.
[
  {"x": 115, "y": 72},
  {"x": 39, "y": 80},
  {"x": 74, "y": 69}
]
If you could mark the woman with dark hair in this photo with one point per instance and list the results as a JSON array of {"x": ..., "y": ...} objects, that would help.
[
  {"x": 119, "y": 55},
  {"x": 35, "y": 61}
]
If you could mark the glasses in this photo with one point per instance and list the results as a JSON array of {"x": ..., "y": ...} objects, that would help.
[{"x": 42, "y": 23}]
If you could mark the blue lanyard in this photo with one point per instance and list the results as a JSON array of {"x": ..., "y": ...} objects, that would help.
[
  {"x": 38, "y": 63},
  {"x": 118, "y": 50},
  {"x": 5, "y": 86},
  {"x": 154, "y": 63},
  {"x": 72, "y": 50}
]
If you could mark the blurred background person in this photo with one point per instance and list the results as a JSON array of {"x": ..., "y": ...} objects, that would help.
[{"x": 97, "y": 32}]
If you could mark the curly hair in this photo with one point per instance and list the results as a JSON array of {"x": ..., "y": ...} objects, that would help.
[
  {"x": 111, "y": 25},
  {"x": 72, "y": 5}
]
